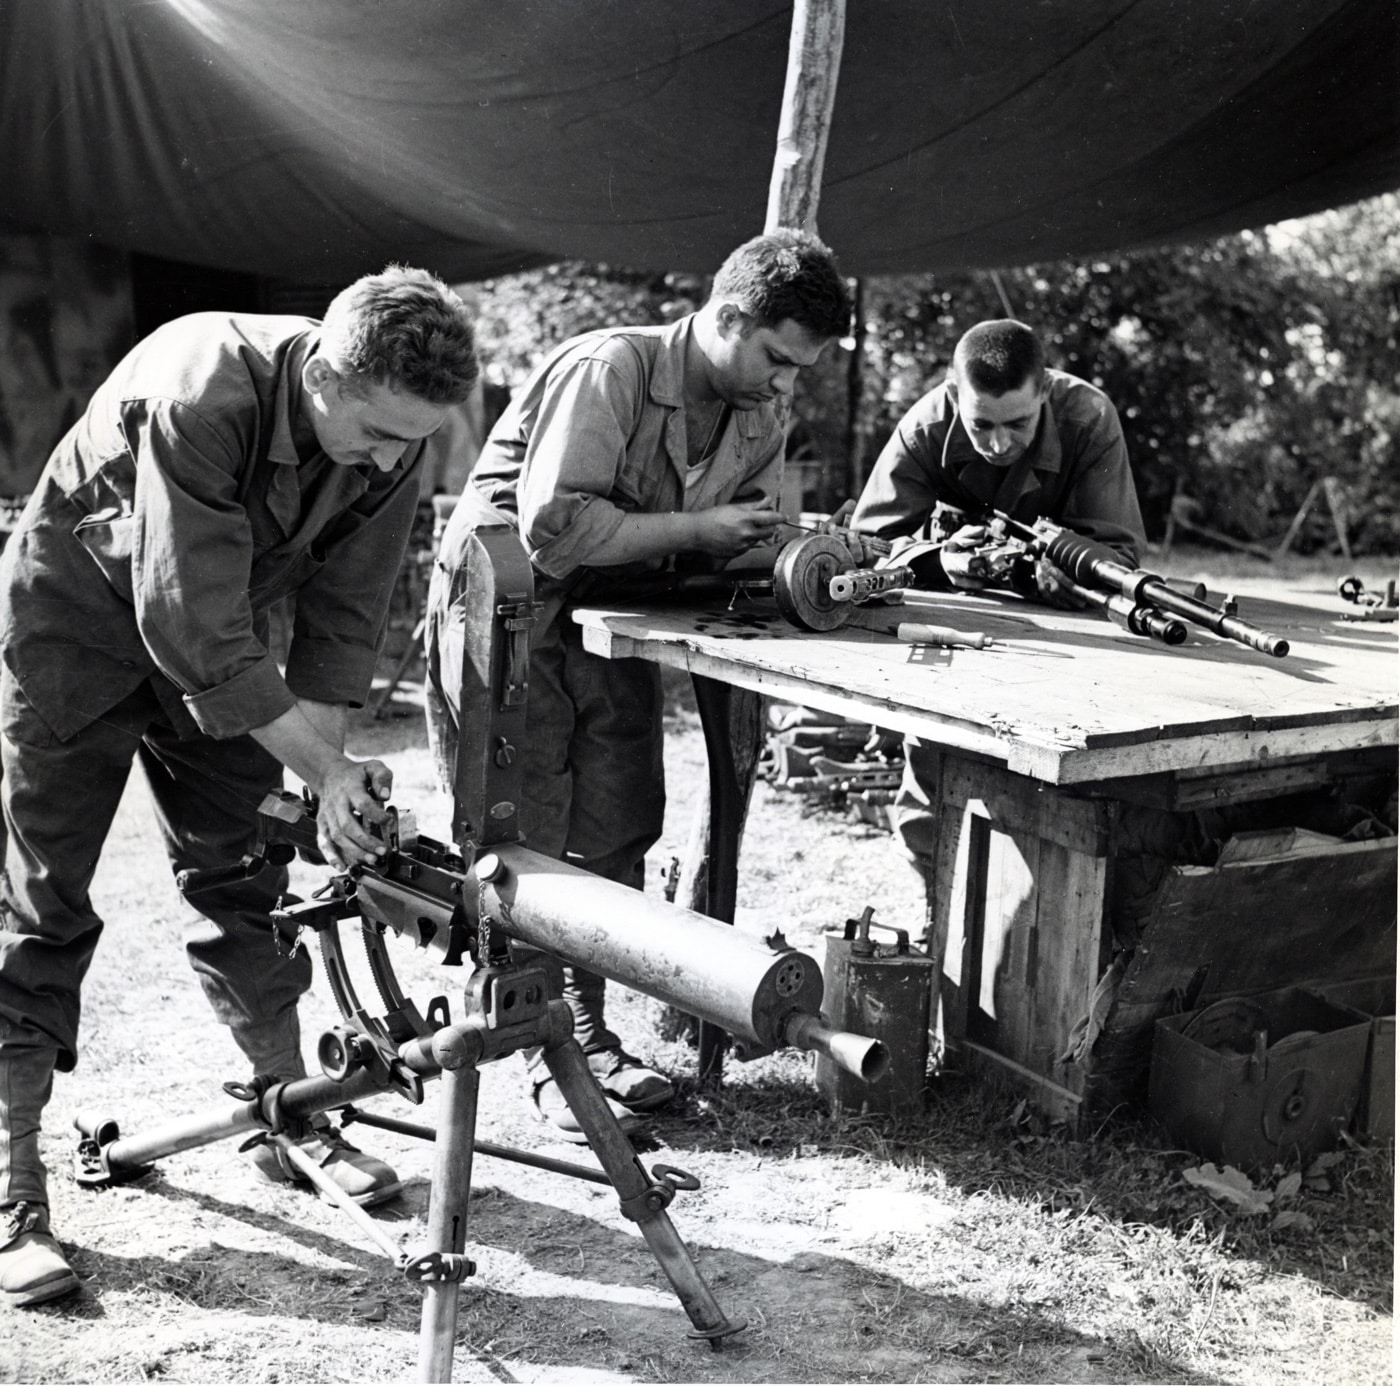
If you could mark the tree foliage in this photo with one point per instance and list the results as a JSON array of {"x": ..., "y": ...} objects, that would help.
[{"x": 1245, "y": 369}]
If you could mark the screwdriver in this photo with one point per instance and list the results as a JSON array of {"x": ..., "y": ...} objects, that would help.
[{"x": 917, "y": 633}]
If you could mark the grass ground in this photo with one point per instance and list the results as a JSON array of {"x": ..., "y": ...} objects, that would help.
[{"x": 969, "y": 1244}]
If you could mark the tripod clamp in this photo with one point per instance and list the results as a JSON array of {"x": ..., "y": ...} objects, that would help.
[
  {"x": 657, "y": 1196},
  {"x": 438, "y": 1267},
  {"x": 263, "y": 1094}
]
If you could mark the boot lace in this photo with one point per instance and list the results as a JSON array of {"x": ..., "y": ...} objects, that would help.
[{"x": 19, "y": 1219}]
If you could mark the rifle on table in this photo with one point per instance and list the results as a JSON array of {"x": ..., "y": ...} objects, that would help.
[{"x": 1140, "y": 600}]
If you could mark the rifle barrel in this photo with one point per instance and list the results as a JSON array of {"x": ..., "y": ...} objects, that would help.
[
  {"x": 1212, "y": 618},
  {"x": 1094, "y": 564},
  {"x": 1138, "y": 618}
]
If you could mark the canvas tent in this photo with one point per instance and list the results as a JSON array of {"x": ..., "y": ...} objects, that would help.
[{"x": 315, "y": 140}]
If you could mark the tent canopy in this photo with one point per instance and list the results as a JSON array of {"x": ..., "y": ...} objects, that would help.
[{"x": 317, "y": 140}]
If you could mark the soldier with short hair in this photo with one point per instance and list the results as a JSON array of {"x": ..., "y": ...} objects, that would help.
[{"x": 228, "y": 462}]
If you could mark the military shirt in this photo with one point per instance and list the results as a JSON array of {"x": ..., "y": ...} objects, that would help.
[
  {"x": 188, "y": 499},
  {"x": 1077, "y": 473},
  {"x": 598, "y": 431}
]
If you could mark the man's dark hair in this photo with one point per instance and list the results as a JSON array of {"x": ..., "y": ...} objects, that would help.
[
  {"x": 787, "y": 274},
  {"x": 406, "y": 329},
  {"x": 999, "y": 356}
]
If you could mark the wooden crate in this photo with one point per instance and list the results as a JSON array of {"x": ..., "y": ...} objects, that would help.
[{"x": 1035, "y": 987}]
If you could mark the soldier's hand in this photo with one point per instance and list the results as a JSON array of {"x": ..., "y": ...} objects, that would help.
[
  {"x": 352, "y": 797},
  {"x": 728, "y": 530},
  {"x": 1052, "y": 586},
  {"x": 840, "y": 518},
  {"x": 963, "y": 560}
]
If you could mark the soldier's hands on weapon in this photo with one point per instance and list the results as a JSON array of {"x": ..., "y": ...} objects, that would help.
[
  {"x": 865, "y": 551},
  {"x": 1052, "y": 586},
  {"x": 729, "y": 530},
  {"x": 973, "y": 560},
  {"x": 840, "y": 518},
  {"x": 351, "y": 797}
]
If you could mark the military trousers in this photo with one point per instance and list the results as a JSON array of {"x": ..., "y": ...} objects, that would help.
[{"x": 60, "y": 799}]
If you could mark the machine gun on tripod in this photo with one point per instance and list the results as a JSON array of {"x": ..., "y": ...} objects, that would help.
[{"x": 487, "y": 900}]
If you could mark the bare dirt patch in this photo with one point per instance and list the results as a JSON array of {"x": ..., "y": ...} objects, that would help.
[{"x": 970, "y": 1245}]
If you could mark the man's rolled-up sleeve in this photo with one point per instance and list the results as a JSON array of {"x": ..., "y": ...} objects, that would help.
[
  {"x": 576, "y": 455},
  {"x": 253, "y": 698},
  {"x": 190, "y": 561}
]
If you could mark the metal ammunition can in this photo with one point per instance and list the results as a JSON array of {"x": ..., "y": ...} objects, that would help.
[{"x": 883, "y": 991}]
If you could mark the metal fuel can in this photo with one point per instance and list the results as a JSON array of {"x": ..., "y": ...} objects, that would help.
[{"x": 883, "y": 991}]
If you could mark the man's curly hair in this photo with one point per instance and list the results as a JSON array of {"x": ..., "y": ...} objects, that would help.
[
  {"x": 787, "y": 274},
  {"x": 406, "y": 329}
]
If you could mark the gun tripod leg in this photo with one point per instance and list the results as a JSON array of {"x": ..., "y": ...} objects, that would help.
[
  {"x": 643, "y": 1199},
  {"x": 106, "y": 1156},
  {"x": 447, "y": 1219}
]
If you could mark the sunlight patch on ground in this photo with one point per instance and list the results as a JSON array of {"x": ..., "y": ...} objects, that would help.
[{"x": 873, "y": 1213}]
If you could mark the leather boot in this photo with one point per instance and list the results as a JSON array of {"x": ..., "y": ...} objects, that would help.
[
  {"x": 26, "y": 1082},
  {"x": 550, "y": 1106},
  {"x": 274, "y": 1049},
  {"x": 629, "y": 1080},
  {"x": 367, "y": 1179},
  {"x": 32, "y": 1267}
]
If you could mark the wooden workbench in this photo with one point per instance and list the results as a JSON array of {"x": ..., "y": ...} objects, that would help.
[{"x": 1057, "y": 740}]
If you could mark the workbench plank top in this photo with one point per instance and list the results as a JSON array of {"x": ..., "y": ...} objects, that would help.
[{"x": 1065, "y": 697}]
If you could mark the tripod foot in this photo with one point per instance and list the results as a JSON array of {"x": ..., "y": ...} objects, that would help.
[
  {"x": 642, "y": 1199},
  {"x": 93, "y": 1164}
]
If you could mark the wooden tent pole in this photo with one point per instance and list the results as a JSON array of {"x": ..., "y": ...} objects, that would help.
[
  {"x": 709, "y": 880},
  {"x": 809, "y": 95}
]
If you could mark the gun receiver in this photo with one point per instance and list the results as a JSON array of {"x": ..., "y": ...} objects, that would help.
[
  {"x": 817, "y": 580},
  {"x": 1141, "y": 600},
  {"x": 766, "y": 994}
]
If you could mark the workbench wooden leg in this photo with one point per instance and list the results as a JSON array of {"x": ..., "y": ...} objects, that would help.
[
  {"x": 732, "y": 721},
  {"x": 1021, "y": 902}
]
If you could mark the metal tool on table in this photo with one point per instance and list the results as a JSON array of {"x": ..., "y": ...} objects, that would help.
[
  {"x": 1370, "y": 606},
  {"x": 921, "y": 633},
  {"x": 513, "y": 914},
  {"x": 818, "y": 581}
]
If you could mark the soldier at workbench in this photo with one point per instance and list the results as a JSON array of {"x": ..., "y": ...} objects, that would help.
[
  {"x": 229, "y": 461},
  {"x": 627, "y": 447},
  {"x": 1003, "y": 431}
]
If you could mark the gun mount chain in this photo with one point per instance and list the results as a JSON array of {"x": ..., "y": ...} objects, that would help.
[{"x": 284, "y": 947}]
